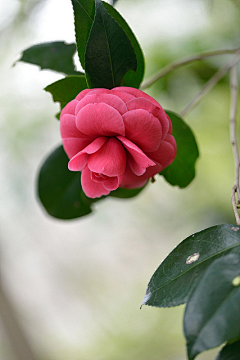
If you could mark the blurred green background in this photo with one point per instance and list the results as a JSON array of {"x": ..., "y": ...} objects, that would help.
[{"x": 76, "y": 287}]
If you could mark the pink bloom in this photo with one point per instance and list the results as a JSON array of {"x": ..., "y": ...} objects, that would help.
[{"x": 116, "y": 138}]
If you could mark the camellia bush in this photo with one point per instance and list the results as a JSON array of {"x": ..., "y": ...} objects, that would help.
[{"x": 116, "y": 139}]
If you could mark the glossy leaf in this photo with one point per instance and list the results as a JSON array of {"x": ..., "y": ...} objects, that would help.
[
  {"x": 212, "y": 314},
  {"x": 230, "y": 352},
  {"x": 56, "y": 56},
  {"x": 109, "y": 53},
  {"x": 67, "y": 89},
  {"x": 84, "y": 14},
  {"x": 83, "y": 18},
  {"x": 132, "y": 78},
  {"x": 59, "y": 189},
  {"x": 182, "y": 171},
  {"x": 175, "y": 279}
]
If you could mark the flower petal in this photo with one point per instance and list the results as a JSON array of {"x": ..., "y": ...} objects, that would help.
[
  {"x": 73, "y": 140},
  {"x": 156, "y": 110},
  {"x": 166, "y": 152},
  {"x": 100, "y": 119},
  {"x": 143, "y": 129},
  {"x": 132, "y": 181},
  {"x": 83, "y": 93},
  {"x": 123, "y": 95},
  {"x": 79, "y": 161},
  {"x": 136, "y": 93},
  {"x": 69, "y": 108},
  {"x": 137, "y": 160},
  {"x": 111, "y": 183},
  {"x": 72, "y": 146},
  {"x": 109, "y": 99},
  {"x": 91, "y": 188},
  {"x": 110, "y": 160}
]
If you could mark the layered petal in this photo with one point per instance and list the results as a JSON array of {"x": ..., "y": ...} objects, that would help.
[
  {"x": 73, "y": 140},
  {"x": 110, "y": 160},
  {"x": 123, "y": 95},
  {"x": 109, "y": 99},
  {"x": 69, "y": 108},
  {"x": 137, "y": 160},
  {"x": 136, "y": 93},
  {"x": 92, "y": 188},
  {"x": 100, "y": 119},
  {"x": 112, "y": 183},
  {"x": 132, "y": 181},
  {"x": 79, "y": 161},
  {"x": 166, "y": 152},
  {"x": 118, "y": 137},
  {"x": 156, "y": 111},
  {"x": 143, "y": 129},
  {"x": 83, "y": 93}
]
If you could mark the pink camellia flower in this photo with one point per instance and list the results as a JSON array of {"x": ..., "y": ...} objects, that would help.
[{"x": 116, "y": 138}]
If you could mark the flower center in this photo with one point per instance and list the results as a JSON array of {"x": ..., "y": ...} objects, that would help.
[{"x": 99, "y": 177}]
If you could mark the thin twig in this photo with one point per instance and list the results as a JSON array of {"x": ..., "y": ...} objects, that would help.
[
  {"x": 210, "y": 84},
  {"x": 179, "y": 63},
  {"x": 233, "y": 137}
]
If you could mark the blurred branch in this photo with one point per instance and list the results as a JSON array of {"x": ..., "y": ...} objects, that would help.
[
  {"x": 210, "y": 84},
  {"x": 179, "y": 63},
  {"x": 18, "y": 339},
  {"x": 233, "y": 137}
]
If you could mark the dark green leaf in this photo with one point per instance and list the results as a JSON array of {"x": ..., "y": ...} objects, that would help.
[
  {"x": 182, "y": 171},
  {"x": 212, "y": 314},
  {"x": 109, "y": 53},
  {"x": 125, "y": 193},
  {"x": 174, "y": 280},
  {"x": 83, "y": 18},
  {"x": 132, "y": 78},
  {"x": 60, "y": 189},
  {"x": 84, "y": 15},
  {"x": 67, "y": 89},
  {"x": 56, "y": 56},
  {"x": 230, "y": 352}
]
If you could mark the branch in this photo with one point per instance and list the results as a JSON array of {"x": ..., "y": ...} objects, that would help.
[
  {"x": 233, "y": 137},
  {"x": 179, "y": 63},
  {"x": 17, "y": 337},
  {"x": 211, "y": 83}
]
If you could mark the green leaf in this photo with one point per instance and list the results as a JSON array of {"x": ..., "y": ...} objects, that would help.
[
  {"x": 109, "y": 53},
  {"x": 84, "y": 15},
  {"x": 175, "y": 279},
  {"x": 230, "y": 352},
  {"x": 56, "y": 56},
  {"x": 131, "y": 78},
  {"x": 59, "y": 189},
  {"x": 182, "y": 171},
  {"x": 83, "y": 18},
  {"x": 67, "y": 89},
  {"x": 126, "y": 193},
  {"x": 212, "y": 314}
]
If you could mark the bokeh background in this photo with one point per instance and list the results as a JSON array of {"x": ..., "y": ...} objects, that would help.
[{"x": 76, "y": 287}]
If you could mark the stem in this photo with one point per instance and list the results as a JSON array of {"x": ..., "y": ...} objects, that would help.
[
  {"x": 233, "y": 137},
  {"x": 210, "y": 84},
  {"x": 179, "y": 63}
]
